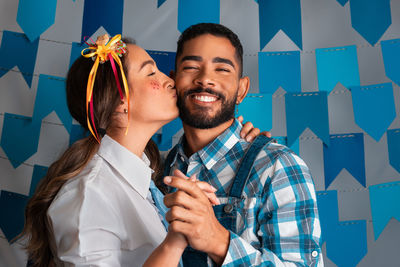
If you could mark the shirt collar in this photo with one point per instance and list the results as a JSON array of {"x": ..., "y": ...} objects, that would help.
[
  {"x": 134, "y": 170},
  {"x": 217, "y": 149}
]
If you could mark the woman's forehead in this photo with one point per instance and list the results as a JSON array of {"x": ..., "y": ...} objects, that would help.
[{"x": 137, "y": 56}]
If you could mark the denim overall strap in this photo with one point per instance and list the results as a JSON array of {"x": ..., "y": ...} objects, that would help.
[{"x": 226, "y": 213}]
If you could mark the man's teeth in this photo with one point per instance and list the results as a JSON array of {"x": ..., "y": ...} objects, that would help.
[{"x": 204, "y": 98}]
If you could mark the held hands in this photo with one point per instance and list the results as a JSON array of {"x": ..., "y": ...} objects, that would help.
[
  {"x": 248, "y": 131},
  {"x": 192, "y": 215}
]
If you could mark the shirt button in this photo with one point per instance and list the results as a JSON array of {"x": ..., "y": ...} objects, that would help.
[
  {"x": 228, "y": 208},
  {"x": 314, "y": 254}
]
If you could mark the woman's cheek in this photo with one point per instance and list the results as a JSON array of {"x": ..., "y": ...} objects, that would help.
[{"x": 155, "y": 85}]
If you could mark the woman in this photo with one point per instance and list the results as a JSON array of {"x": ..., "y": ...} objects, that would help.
[{"x": 94, "y": 206}]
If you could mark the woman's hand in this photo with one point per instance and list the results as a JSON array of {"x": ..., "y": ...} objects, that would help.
[
  {"x": 248, "y": 131},
  {"x": 208, "y": 189}
]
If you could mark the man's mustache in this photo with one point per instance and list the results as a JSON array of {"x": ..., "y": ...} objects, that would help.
[{"x": 199, "y": 90}]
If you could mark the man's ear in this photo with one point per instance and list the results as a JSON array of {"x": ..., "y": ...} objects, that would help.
[{"x": 244, "y": 85}]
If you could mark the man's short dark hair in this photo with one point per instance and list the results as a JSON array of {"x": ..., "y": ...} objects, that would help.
[{"x": 213, "y": 29}]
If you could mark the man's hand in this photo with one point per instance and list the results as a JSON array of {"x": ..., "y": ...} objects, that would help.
[
  {"x": 192, "y": 215},
  {"x": 248, "y": 131}
]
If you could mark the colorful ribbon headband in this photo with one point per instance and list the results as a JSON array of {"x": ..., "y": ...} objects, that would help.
[{"x": 104, "y": 49}]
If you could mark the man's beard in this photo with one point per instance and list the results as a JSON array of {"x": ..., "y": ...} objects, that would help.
[{"x": 199, "y": 117}]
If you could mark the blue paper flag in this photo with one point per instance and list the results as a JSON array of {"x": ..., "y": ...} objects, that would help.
[
  {"x": 38, "y": 173},
  {"x": 77, "y": 132},
  {"x": 160, "y": 2},
  {"x": 346, "y": 151},
  {"x": 12, "y": 206},
  {"x": 275, "y": 15},
  {"x": 307, "y": 110},
  {"x": 165, "y": 60},
  {"x": 25, "y": 58},
  {"x": 279, "y": 69},
  {"x": 35, "y": 17},
  {"x": 348, "y": 245},
  {"x": 393, "y": 143},
  {"x": 335, "y": 65},
  {"x": 295, "y": 147},
  {"x": 191, "y": 12},
  {"x": 51, "y": 96},
  {"x": 343, "y": 2},
  {"x": 20, "y": 138},
  {"x": 328, "y": 213},
  {"x": 104, "y": 13},
  {"x": 371, "y": 18},
  {"x": 76, "y": 49},
  {"x": 257, "y": 108},
  {"x": 374, "y": 108},
  {"x": 168, "y": 131},
  {"x": 385, "y": 199},
  {"x": 391, "y": 59}
]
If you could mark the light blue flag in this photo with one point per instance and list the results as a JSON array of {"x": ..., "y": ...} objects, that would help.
[
  {"x": 168, "y": 131},
  {"x": 76, "y": 49},
  {"x": 374, "y": 108},
  {"x": 104, "y": 13},
  {"x": 347, "y": 245},
  {"x": 393, "y": 143},
  {"x": 35, "y": 17},
  {"x": 12, "y": 207},
  {"x": 307, "y": 110},
  {"x": 39, "y": 172},
  {"x": 25, "y": 58},
  {"x": 328, "y": 213},
  {"x": 50, "y": 97},
  {"x": 191, "y": 12},
  {"x": 343, "y": 2},
  {"x": 279, "y": 69},
  {"x": 337, "y": 64},
  {"x": 165, "y": 60},
  {"x": 391, "y": 59},
  {"x": 19, "y": 138},
  {"x": 370, "y": 18},
  {"x": 275, "y": 15},
  {"x": 385, "y": 199},
  {"x": 295, "y": 147},
  {"x": 77, "y": 133},
  {"x": 257, "y": 108},
  {"x": 346, "y": 151}
]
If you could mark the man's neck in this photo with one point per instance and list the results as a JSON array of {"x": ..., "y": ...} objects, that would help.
[{"x": 197, "y": 139}]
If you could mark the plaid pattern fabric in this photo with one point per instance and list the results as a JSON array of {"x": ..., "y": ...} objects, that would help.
[{"x": 277, "y": 222}]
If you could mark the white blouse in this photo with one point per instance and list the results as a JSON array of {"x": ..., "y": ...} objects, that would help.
[{"x": 102, "y": 217}]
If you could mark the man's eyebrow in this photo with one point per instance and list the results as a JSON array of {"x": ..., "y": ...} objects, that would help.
[
  {"x": 223, "y": 60},
  {"x": 195, "y": 58},
  {"x": 151, "y": 62}
]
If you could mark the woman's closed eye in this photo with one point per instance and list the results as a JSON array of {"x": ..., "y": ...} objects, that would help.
[{"x": 151, "y": 74}]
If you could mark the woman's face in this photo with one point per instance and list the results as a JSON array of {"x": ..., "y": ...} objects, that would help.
[{"x": 153, "y": 95}]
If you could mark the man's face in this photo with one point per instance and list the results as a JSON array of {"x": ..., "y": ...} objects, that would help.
[{"x": 207, "y": 81}]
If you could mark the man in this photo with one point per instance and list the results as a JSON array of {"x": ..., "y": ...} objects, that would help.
[{"x": 268, "y": 215}]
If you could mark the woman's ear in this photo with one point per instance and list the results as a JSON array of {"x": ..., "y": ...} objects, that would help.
[
  {"x": 122, "y": 107},
  {"x": 244, "y": 85}
]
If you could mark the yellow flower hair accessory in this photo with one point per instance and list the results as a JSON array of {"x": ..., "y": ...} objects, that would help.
[{"x": 103, "y": 50}]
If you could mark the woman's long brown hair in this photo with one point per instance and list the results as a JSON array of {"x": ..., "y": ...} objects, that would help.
[{"x": 38, "y": 229}]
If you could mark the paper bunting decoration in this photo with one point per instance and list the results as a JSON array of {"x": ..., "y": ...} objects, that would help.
[
  {"x": 165, "y": 60},
  {"x": 374, "y": 108},
  {"x": 160, "y": 2},
  {"x": 276, "y": 15},
  {"x": 343, "y": 2},
  {"x": 295, "y": 147},
  {"x": 19, "y": 138},
  {"x": 393, "y": 143},
  {"x": 328, "y": 213},
  {"x": 370, "y": 18},
  {"x": 346, "y": 151},
  {"x": 279, "y": 69},
  {"x": 76, "y": 49},
  {"x": 39, "y": 172},
  {"x": 12, "y": 206},
  {"x": 385, "y": 199},
  {"x": 338, "y": 64},
  {"x": 97, "y": 13},
  {"x": 307, "y": 110},
  {"x": 191, "y": 12},
  {"x": 77, "y": 132},
  {"x": 391, "y": 59},
  {"x": 257, "y": 108},
  {"x": 50, "y": 97},
  {"x": 164, "y": 141},
  {"x": 35, "y": 17},
  {"x": 25, "y": 58}
]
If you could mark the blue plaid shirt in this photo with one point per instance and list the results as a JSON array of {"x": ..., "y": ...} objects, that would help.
[{"x": 278, "y": 222}]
